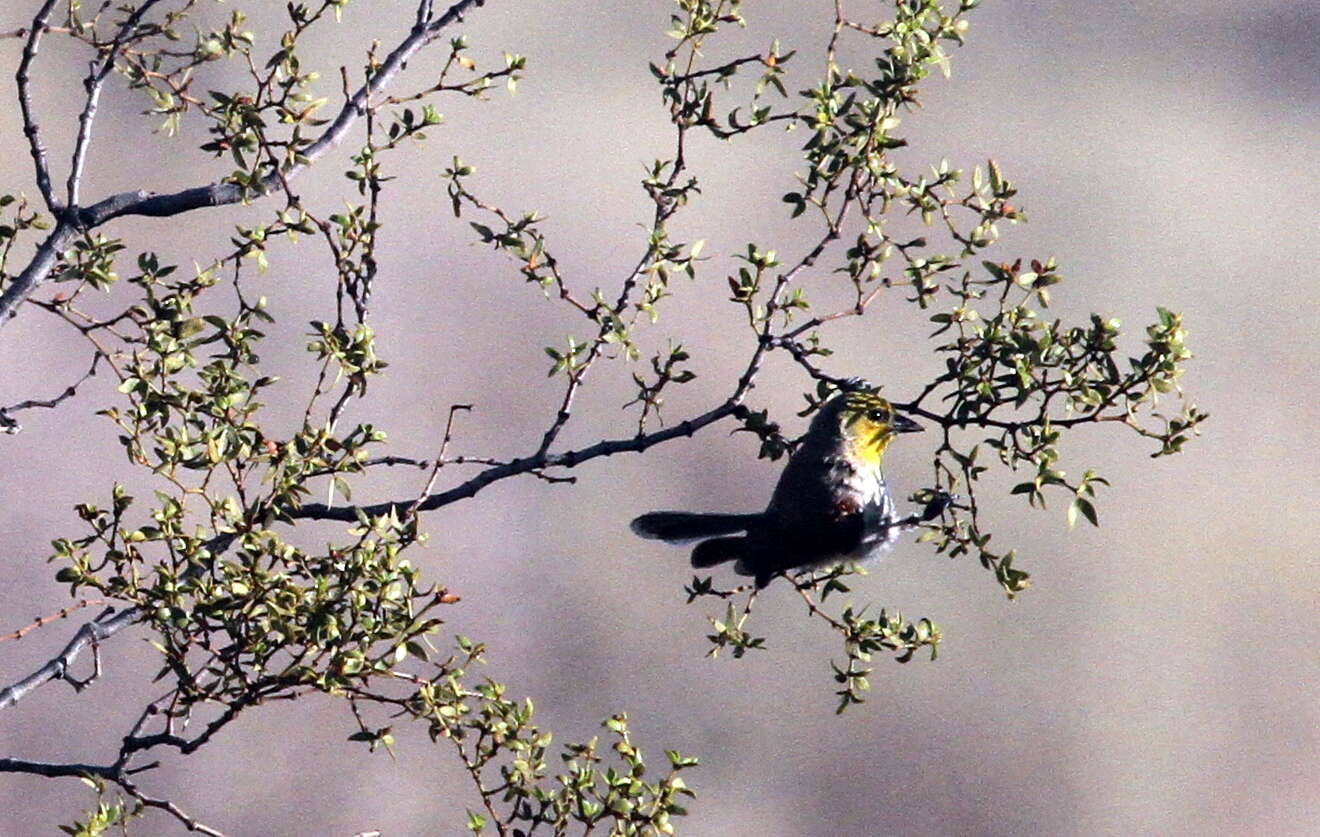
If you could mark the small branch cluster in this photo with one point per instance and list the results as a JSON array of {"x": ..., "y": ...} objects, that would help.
[
  {"x": 863, "y": 636},
  {"x": 508, "y": 759}
]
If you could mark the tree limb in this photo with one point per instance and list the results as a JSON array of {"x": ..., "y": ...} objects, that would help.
[
  {"x": 526, "y": 465},
  {"x": 153, "y": 204},
  {"x": 9, "y": 425},
  {"x": 57, "y": 667},
  {"x": 73, "y": 769},
  {"x": 93, "y": 84},
  {"x": 30, "y": 127}
]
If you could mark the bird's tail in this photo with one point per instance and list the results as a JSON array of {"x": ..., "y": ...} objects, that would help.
[
  {"x": 740, "y": 548},
  {"x": 718, "y": 550},
  {"x": 680, "y": 527}
]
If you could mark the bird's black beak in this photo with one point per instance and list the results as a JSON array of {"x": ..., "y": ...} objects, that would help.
[{"x": 903, "y": 424}]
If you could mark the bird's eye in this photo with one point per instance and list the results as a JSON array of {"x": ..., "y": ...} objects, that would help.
[{"x": 878, "y": 416}]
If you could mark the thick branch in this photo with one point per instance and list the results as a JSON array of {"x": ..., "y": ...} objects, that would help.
[
  {"x": 30, "y": 127},
  {"x": 37, "y": 270},
  {"x": 41, "y": 768},
  {"x": 141, "y": 202},
  {"x": 220, "y": 194},
  {"x": 94, "y": 632},
  {"x": 528, "y": 464},
  {"x": 56, "y": 668},
  {"x": 94, "y": 83}
]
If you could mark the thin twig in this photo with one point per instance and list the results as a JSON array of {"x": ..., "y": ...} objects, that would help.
[
  {"x": 8, "y": 425},
  {"x": 46, "y": 620},
  {"x": 813, "y": 608},
  {"x": 169, "y": 807},
  {"x": 440, "y": 460}
]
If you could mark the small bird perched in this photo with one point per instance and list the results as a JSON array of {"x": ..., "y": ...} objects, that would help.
[{"x": 830, "y": 506}]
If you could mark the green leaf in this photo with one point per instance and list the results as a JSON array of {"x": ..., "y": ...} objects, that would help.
[
  {"x": 476, "y": 823},
  {"x": 1087, "y": 509}
]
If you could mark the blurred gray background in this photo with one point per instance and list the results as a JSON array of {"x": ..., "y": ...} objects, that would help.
[{"x": 1159, "y": 677}]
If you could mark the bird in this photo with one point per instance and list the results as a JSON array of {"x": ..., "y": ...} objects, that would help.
[{"x": 830, "y": 506}]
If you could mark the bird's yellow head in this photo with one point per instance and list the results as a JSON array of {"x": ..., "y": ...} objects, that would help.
[{"x": 869, "y": 423}]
